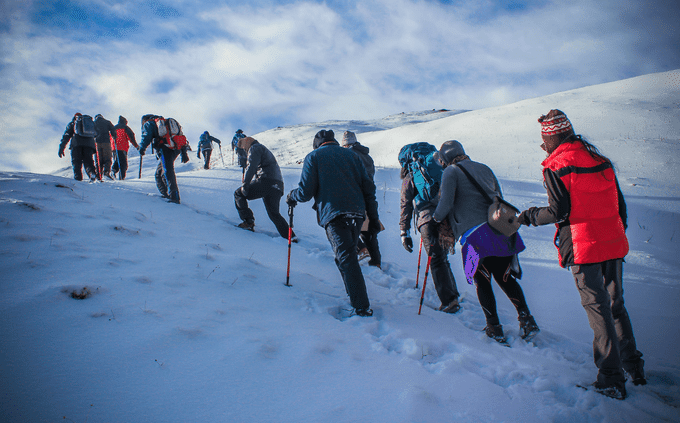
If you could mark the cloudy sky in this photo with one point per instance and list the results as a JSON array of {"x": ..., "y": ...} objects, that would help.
[{"x": 255, "y": 65}]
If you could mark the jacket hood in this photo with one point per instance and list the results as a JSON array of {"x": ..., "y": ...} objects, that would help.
[
  {"x": 323, "y": 137},
  {"x": 360, "y": 148},
  {"x": 449, "y": 151},
  {"x": 122, "y": 120},
  {"x": 246, "y": 143}
]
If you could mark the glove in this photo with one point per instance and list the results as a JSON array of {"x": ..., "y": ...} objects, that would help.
[
  {"x": 185, "y": 156},
  {"x": 61, "y": 153},
  {"x": 290, "y": 201},
  {"x": 374, "y": 226},
  {"x": 523, "y": 218},
  {"x": 198, "y": 154},
  {"x": 407, "y": 241},
  {"x": 244, "y": 192},
  {"x": 141, "y": 152}
]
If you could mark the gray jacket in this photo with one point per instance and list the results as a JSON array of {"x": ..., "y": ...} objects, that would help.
[
  {"x": 261, "y": 164},
  {"x": 461, "y": 201}
]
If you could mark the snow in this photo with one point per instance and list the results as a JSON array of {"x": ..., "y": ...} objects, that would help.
[{"x": 189, "y": 318}]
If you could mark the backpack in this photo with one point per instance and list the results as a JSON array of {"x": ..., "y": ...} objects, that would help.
[
  {"x": 170, "y": 133},
  {"x": 425, "y": 171},
  {"x": 84, "y": 126}
]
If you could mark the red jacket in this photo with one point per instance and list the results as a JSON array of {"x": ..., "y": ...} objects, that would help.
[{"x": 586, "y": 205}]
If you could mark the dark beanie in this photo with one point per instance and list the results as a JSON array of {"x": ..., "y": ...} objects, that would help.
[
  {"x": 322, "y": 137},
  {"x": 449, "y": 151}
]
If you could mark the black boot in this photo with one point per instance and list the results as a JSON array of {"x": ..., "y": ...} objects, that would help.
[
  {"x": 495, "y": 332},
  {"x": 527, "y": 325}
]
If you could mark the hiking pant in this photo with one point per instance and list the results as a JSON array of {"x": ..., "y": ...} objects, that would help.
[
  {"x": 499, "y": 268},
  {"x": 370, "y": 242},
  {"x": 206, "y": 158},
  {"x": 440, "y": 268},
  {"x": 105, "y": 155},
  {"x": 81, "y": 156},
  {"x": 166, "y": 180},
  {"x": 343, "y": 234},
  {"x": 120, "y": 163},
  {"x": 270, "y": 191},
  {"x": 601, "y": 288}
]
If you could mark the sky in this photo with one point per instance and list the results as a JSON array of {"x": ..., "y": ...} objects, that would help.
[{"x": 222, "y": 66}]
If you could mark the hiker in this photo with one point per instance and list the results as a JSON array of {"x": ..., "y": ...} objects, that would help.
[
  {"x": 344, "y": 195},
  {"x": 105, "y": 130},
  {"x": 411, "y": 206},
  {"x": 82, "y": 147},
  {"x": 241, "y": 155},
  {"x": 166, "y": 180},
  {"x": 121, "y": 140},
  {"x": 588, "y": 209},
  {"x": 465, "y": 208},
  {"x": 262, "y": 179},
  {"x": 205, "y": 146},
  {"x": 368, "y": 242}
]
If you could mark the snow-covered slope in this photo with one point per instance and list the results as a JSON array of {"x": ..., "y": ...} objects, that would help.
[{"x": 189, "y": 319}]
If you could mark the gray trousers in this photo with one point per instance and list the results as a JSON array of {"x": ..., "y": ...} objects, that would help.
[{"x": 601, "y": 288}]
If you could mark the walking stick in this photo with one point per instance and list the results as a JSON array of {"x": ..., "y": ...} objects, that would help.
[
  {"x": 290, "y": 236},
  {"x": 422, "y": 295},
  {"x": 140, "y": 166},
  {"x": 420, "y": 250},
  {"x": 221, "y": 156}
]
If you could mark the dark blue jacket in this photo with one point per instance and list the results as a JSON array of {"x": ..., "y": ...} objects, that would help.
[
  {"x": 206, "y": 140},
  {"x": 75, "y": 139},
  {"x": 337, "y": 180},
  {"x": 149, "y": 134}
]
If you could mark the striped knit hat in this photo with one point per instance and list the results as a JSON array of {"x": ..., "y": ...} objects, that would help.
[{"x": 554, "y": 123}]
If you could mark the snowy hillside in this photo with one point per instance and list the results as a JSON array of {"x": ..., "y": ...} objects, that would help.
[{"x": 187, "y": 317}]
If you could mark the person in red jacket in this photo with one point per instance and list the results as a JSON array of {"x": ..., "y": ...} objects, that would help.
[
  {"x": 120, "y": 145},
  {"x": 587, "y": 206}
]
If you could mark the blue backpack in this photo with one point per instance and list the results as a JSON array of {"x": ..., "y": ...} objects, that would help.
[{"x": 426, "y": 172}]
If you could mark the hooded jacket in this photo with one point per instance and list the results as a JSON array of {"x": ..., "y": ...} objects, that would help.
[
  {"x": 75, "y": 139},
  {"x": 261, "y": 163},
  {"x": 104, "y": 129},
  {"x": 123, "y": 135},
  {"x": 337, "y": 180},
  {"x": 362, "y": 152}
]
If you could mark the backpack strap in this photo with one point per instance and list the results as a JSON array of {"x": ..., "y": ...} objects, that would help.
[{"x": 475, "y": 183}]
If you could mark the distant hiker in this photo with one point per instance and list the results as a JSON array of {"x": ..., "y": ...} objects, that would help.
[
  {"x": 105, "y": 130},
  {"x": 166, "y": 150},
  {"x": 121, "y": 140},
  {"x": 588, "y": 209},
  {"x": 486, "y": 253},
  {"x": 240, "y": 153},
  {"x": 205, "y": 147},
  {"x": 415, "y": 204},
  {"x": 81, "y": 136},
  {"x": 344, "y": 195},
  {"x": 368, "y": 242},
  {"x": 262, "y": 179}
]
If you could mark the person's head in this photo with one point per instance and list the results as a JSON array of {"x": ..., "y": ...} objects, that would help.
[
  {"x": 246, "y": 143},
  {"x": 348, "y": 139},
  {"x": 206, "y": 133},
  {"x": 555, "y": 129},
  {"x": 98, "y": 116},
  {"x": 122, "y": 120},
  {"x": 77, "y": 115},
  {"x": 450, "y": 152},
  {"x": 239, "y": 131},
  {"x": 322, "y": 137},
  {"x": 145, "y": 118}
]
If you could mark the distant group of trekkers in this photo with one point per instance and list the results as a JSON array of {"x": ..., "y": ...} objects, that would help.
[{"x": 449, "y": 197}]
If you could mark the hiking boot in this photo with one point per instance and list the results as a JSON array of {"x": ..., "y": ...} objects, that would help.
[
  {"x": 527, "y": 325},
  {"x": 247, "y": 225},
  {"x": 638, "y": 375},
  {"x": 363, "y": 253},
  {"x": 363, "y": 312},
  {"x": 108, "y": 175},
  {"x": 495, "y": 332},
  {"x": 294, "y": 239},
  {"x": 452, "y": 308},
  {"x": 613, "y": 391}
]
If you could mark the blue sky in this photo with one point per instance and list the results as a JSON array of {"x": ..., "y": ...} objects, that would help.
[{"x": 220, "y": 66}]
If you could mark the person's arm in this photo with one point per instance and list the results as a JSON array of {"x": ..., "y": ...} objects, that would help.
[
  {"x": 559, "y": 203},
  {"x": 68, "y": 134},
  {"x": 309, "y": 182},
  {"x": 447, "y": 194},
  {"x": 131, "y": 136},
  {"x": 253, "y": 163},
  {"x": 623, "y": 210}
]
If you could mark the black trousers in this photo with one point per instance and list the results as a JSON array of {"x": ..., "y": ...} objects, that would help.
[
  {"x": 206, "y": 158},
  {"x": 270, "y": 191},
  {"x": 166, "y": 180},
  {"x": 440, "y": 268},
  {"x": 120, "y": 163},
  {"x": 82, "y": 157},
  {"x": 343, "y": 234},
  {"x": 499, "y": 268}
]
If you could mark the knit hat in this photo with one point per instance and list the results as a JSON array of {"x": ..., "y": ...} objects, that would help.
[
  {"x": 449, "y": 151},
  {"x": 246, "y": 143},
  {"x": 555, "y": 128},
  {"x": 348, "y": 138},
  {"x": 322, "y": 137}
]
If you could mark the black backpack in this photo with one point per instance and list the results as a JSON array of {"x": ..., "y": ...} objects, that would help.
[{"x": 84, "y": 126}]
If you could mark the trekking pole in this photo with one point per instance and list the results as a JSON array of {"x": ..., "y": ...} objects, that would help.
[
  {"x": 290, "y": 236},
  {"x": 420, "y": 250},
  {"x": 221, "y": 156},
  {"x": 140, "y": 166},
  {"x": 427, "y": 268}
]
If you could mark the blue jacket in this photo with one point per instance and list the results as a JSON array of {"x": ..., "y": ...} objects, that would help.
[
  {"x": 149, "y": 134},
  {"x": 206, "y": 140},
  {"x": 337, "y": 180}
]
